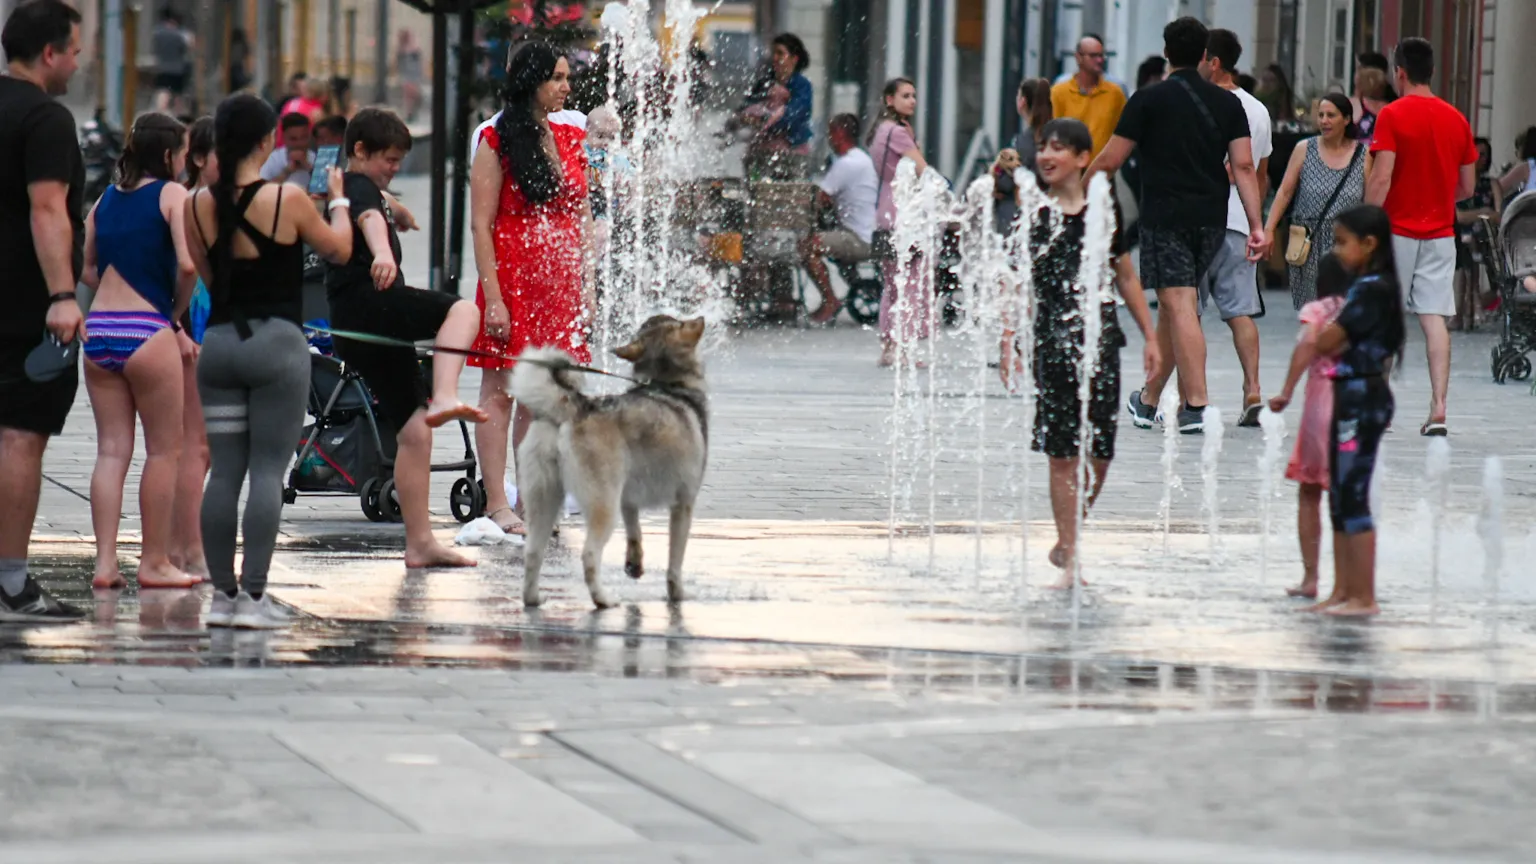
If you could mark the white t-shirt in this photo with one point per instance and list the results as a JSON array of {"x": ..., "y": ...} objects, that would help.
[
  {"x": 568, "y": 117},
  {"x": 853, "y": 184},
  {"x": 273, "y": 168},
  {"x": 1263, "y": 146}
]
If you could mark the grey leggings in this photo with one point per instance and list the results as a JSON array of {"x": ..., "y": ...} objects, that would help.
[{"x": 253, "y": 400}]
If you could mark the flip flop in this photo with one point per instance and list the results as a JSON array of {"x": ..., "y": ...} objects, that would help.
[
  {"x": 1434, "y": 429},
  {"x": 519, "y": 530}
]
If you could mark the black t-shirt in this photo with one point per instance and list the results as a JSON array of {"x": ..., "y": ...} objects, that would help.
[
  {"x": 1372, "y": 318},
  {"x": 342, "y": 280},
  {"x": 1057, "y": 259},
  {"x": 38, "y": 142},
  {"x": 1183, "y": 149}
]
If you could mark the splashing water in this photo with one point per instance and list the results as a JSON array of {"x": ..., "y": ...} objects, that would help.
[
  {"x": 1273, "y": 426},
  {"x": 1093, "y": 288},
  {"x": 1437, "y": 482},
  {"x": 1168, "y": 410},
  {"x": 1210, "y": 457}
]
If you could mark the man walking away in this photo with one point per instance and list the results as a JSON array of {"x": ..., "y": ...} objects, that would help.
[
  {"x": 1190, "y": 133},
  {"x": 172, "y": 47},
  {"x": 1426, "y": 161},
  {"x": 1233, "y": 280},
  {"x": 42, "y": 241},
  {"x": 852, "y": 188},
  {"x": 1088, "y": 96}
]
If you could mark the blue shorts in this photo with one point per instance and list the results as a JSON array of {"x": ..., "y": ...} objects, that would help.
[{"x": 1362, "y": 410}]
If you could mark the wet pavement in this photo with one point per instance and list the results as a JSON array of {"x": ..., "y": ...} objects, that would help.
[{"x": 829, "y": 692}]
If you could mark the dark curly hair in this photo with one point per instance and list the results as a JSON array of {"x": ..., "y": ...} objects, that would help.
[{"x": 522, "y": 150}]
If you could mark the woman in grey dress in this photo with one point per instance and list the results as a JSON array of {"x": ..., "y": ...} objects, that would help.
[{"x": 1332, "y": 160}]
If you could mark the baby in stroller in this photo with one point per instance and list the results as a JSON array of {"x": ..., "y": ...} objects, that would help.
[{"x": 1517, "y": 290}]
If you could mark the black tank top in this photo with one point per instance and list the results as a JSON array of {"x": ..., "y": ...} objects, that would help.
[{"x": 271, "y": 285}]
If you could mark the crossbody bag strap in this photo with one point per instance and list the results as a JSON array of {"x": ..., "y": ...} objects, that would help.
[
  {"x": 1343, "y": 178},
  {"x": 1205, "y": 110}
]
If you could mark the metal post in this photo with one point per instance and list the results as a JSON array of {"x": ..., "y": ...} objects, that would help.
[
  {"x": 277, "y": 77},
  {"x": 440, "y": 154},
  {"x": 130, "y": 67},
  {"x": 352, "y": 46},
  {"x": 381, "y": 55},
  {"x": 333, "y": 37},
  {"x": 461, "y": 128},
  {"x": 114, "y": 62},
  {"x": 301, "y": 22}
]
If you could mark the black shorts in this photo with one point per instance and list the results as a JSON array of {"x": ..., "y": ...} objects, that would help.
[
  {"x": 392, "y": 374},
  {"x": 1178, "y": 257},
  {"x": 174, "y": 82},
  {"x": 1059, "y": 411},
  {"x": 1362, "y": 409},
  {"x": 26, "y": 404}
]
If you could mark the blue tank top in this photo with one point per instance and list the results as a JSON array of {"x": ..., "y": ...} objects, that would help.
[{"x": 133, "y": 238}]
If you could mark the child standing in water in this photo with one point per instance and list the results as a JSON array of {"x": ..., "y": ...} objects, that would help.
[
  {"x": 1066, "y": 147},
  {"x": 1363, "y": 341},
  {"x": 1310, "y": 460}
]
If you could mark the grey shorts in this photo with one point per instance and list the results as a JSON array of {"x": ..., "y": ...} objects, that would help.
[
  {"x": 1426, "y": 269},
  {"x": 843, "y": 245},
  {"x": 1232, "y": 280}
]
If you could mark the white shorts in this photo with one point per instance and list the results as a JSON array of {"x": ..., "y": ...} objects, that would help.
[{"x": 1426, "y": 269}]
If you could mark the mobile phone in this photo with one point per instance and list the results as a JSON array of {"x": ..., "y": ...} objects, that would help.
[{"x": 325, "y": 160}]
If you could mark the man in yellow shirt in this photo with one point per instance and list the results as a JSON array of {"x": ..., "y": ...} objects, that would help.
[{"x": 1088, "y": 96}]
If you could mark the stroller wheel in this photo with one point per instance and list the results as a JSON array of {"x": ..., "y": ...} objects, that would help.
[
  {"x": 369, "y": 497},
  {"x": 290, "y": 496},
  {"x": 863, "y": 301},
  {"x": 389, "y": 501},
  {"x": 466, "y": 500},
  {"x": 1518, "y": 367}
]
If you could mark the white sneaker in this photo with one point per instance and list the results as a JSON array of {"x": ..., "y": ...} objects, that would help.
[
  {"x": 221, "y": 612},
  {"x": 253, "y": 614}
]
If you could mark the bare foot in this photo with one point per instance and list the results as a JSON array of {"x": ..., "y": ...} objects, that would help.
[
  {"x": 439, "y": 414},
  {"x": 1307, "y": 589},
  {"x": 1325, "y": 605},
  {"x": 165, "y": 576},
  {"x": 112, "y": 579},
  {"x": 511, "y": 524},
  {"x": 888, "y": 354},
  {"x": 436, "y": 555},
  {"x": 1354, "y": 609}
]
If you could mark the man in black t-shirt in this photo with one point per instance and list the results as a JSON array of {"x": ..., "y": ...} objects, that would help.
[
  {"x": 1187, "y": 131},
  {"x": 368, "y": 294},
  {"x": 41, "y": 257}
]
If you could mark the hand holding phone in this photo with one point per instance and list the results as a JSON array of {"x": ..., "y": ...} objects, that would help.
[{"x": 325, "y": 159}]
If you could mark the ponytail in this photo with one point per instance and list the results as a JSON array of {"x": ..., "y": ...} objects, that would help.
[{"x": 239, "y": 126}]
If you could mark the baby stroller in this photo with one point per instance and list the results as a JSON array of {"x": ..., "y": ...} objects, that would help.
[
  {"x": 349, "y": 451},
  {"x": 1517, "y": 306}
]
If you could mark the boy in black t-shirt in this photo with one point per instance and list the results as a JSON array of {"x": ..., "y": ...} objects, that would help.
[{"x": 368, "y": 294}]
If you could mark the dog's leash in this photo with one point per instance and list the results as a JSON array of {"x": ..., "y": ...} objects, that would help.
[{"x": 390, "y": 342}]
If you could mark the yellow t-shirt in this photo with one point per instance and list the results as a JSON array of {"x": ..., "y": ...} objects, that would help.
[{"x": 1099, "y": 108}]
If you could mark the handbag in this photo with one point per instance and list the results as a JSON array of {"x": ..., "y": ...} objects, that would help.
[{"x": 1298, "y": 242}]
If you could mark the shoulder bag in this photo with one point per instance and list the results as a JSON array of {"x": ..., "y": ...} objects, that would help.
[{"x": 1298, "y": 242}]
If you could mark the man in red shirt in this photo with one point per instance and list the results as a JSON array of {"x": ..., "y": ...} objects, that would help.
[{"x": 1425, "y": 161}]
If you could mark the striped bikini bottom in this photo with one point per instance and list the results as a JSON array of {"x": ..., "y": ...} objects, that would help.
[{"x": 112, "y": 337}]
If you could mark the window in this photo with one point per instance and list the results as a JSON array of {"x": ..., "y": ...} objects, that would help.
[{"x": 1338, "y": 66}]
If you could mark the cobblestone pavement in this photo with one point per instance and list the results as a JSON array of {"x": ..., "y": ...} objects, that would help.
[{"x": 831, "y": 692}]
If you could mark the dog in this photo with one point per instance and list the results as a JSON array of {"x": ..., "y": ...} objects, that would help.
[{"x": 644, "y": 448}]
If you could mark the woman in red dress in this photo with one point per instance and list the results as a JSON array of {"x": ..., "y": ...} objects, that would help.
[{"x": 529, "y": 212}]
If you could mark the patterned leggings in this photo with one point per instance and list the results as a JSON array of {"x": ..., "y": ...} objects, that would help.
[{"x": 1362, "y": 410}]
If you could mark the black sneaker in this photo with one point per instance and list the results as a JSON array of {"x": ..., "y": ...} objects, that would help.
[
  {"x": 1142, "y": 414},
  {"x": 36, "y": 606},
  {"x": 1191, "y": 420}
]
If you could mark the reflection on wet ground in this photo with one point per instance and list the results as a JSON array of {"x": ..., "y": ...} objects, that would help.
[{"x": 818, "y": 604}]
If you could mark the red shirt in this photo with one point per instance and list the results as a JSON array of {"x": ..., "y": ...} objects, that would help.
[{"x": 1432, "y": 141}]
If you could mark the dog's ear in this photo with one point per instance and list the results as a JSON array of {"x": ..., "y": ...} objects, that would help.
[
  {"x": 692, "y": 331},
  {"x": 631, "y": 352}
]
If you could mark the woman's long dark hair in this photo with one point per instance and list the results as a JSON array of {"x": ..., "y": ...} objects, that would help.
[
  {"x": 1368, "y": 220},
  {"x": 1285, "y": 106},
  {"x": 199, "y": 146},
  {"x": 522, "y": 148},
  {"x": 886, "y": 111},
  {"x": 1037, "y": 99},
  {"x": 239, "y": 125},
  {"x": 151, "y": 146}
]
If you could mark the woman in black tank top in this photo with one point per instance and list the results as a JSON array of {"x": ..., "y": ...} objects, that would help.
[{"x": 247, "y": 241}]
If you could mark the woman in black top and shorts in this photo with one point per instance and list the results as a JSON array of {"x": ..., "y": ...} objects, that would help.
[{"x": 247, "y": 241}]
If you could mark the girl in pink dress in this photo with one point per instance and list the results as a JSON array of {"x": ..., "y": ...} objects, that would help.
[{"x": 1309, "y": 461}]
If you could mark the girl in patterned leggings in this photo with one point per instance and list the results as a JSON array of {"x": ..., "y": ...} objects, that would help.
[{"x": 1363, "y": 341}]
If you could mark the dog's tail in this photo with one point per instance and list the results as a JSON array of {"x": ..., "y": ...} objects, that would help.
[{"x": 543, "y": 383}]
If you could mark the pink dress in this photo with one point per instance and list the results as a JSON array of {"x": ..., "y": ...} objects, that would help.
[
  {"x": 890, "y": 142},
  {"x": 1309, "y": 462}
]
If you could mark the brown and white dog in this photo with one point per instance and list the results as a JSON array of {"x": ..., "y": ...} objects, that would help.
[{"x": 644, "y": 448}]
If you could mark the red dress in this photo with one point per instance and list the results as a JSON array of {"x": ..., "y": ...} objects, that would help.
[{"x": 538, "y": 260}]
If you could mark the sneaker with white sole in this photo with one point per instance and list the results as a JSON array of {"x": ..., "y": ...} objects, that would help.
[
  {"x": 253, "y": 614},
  {"x": 221, "y": 612},
  {"x": 1142, "y": 414},
  {"x": 1191, "y": 420},
  {"x": 36, "y": 606}
]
